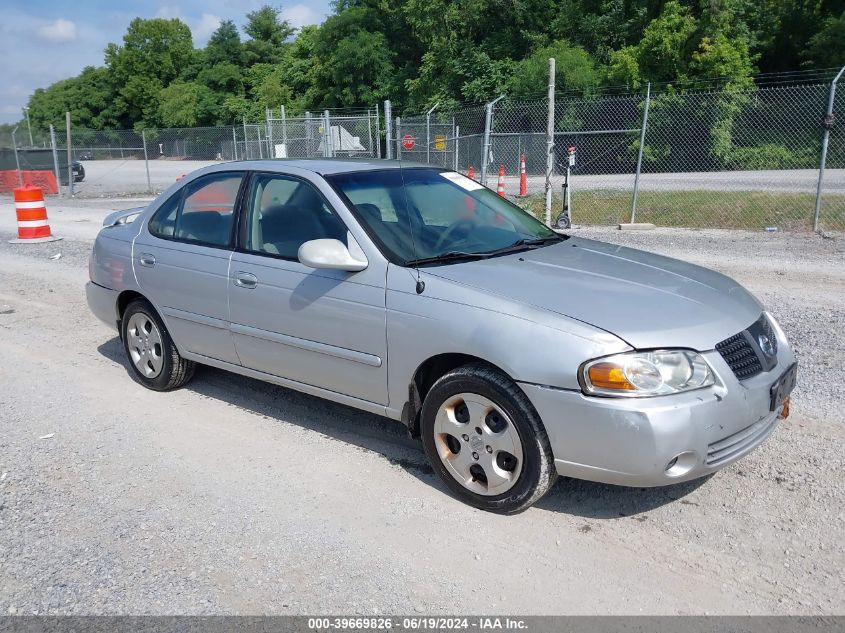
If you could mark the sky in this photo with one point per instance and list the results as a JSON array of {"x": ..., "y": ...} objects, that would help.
[{"x": 42, "y": 41}]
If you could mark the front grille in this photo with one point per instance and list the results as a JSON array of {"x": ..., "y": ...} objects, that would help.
[
  {"x": 732, "y": 445},
  {"x": 740, "y": 356},
  {"x": 742, "y": 351}
]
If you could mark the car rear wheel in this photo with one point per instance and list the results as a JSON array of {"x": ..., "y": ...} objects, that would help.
[
  {"x": 486, "y": 441},
  {"x": 153, "y": 357}
]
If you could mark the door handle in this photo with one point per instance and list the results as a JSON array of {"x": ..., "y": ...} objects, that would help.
[
  {"x": 145, "y": 259},
  {"x": 246, "y": 280}
]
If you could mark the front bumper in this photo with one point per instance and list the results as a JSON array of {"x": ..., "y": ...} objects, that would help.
[
  {"x": 103, "y": 303},
  {"x": 632, "y": 441}
]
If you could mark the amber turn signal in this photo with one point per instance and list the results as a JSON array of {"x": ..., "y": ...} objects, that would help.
[{"x": 609, "y": 376}]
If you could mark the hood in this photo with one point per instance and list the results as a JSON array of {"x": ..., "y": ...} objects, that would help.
[{"x": 645, "y": 299}]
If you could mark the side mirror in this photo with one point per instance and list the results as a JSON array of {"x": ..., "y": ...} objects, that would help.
[
  {"x": 331, "y": 254},
  {"x": 122, "y": 217}
]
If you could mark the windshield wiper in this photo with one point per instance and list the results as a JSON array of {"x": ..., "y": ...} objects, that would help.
[
  {"x": 519, "y": 245},
  {"x": 525, "y": 243},
  {"x": 451, "y": 256}
]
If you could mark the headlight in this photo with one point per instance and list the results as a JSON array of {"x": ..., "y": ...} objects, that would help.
[{"x": 637, "y": 374}]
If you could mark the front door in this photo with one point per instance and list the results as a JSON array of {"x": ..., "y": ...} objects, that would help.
[
  {"x": 324, "y": 328},
  {"x": 181, "y": 261}
]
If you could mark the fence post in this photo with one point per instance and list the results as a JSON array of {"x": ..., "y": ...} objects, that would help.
[
  {"x": 398, "y": 138},
  {"x": 146, "y": 160},
  {"x": 69, "y": 157},
  {"x": 327, "y": 139},
  {"x": 640, "y": 154},
  {"x": 271, "y": 150},
  {"x": 369, "y": 129},
  {"x": 825, "y": 142},
  {"x": 17, "y": 162},
  {"x": 378, "y": 133},
  {"x": 234, "y": 143},
  {"x": 428, "y": 132},
  {"x": 247, "y": 153},
  {"x": 457, "y": 145},
  {"x": 550, "y": 142},
  {"x": 285, "y": 131},
  {"x": 55, "y": 159},
  {"x": 388, "y": 132},
  {"x": 485, "y": 150},
  {"x": 309, "y": 134}
]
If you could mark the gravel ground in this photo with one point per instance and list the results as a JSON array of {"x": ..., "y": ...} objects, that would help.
[{"x": 233, "y": 496}]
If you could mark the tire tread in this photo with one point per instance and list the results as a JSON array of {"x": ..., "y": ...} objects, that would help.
[
  {"x": 181, "y": 370},
  {"x": 509, "y": 390}
]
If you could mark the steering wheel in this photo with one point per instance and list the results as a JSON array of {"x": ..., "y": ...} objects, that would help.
[{"x": 463, "y": 222}]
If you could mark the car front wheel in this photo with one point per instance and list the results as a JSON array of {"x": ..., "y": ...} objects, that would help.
[
  {"x": 486, "y": 441},
  {"x": 153, "y": 357}
]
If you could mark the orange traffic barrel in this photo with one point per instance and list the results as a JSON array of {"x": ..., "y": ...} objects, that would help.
[{"x": 32, "y": 216}]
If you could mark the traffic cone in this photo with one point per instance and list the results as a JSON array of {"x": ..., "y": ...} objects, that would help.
[
  {"x": 523, "y": 182},
  {"x": 471, "y": 173},
  {"x": 500, "y": 186},
  {"x": 32, "y": 216}
]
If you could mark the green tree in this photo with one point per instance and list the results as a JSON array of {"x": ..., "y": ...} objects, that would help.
[
  {"x": 224, "y": 79},
  {"x": 575, "y": 70},
  {"x": 677, "y": 46},
  {"x": 153, "y": 54},
  {"x": 88, "y": 97},
  {"x": 224, "y": 46},
  {"x": 299, "y": 69},
  {"x": 827, "y": 47},
  {"x": 268, "y": 33},
  {"x": 187, "y": 104},
  {"x": 354, "y": 61}
]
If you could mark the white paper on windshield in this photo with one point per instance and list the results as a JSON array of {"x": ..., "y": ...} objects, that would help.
[{"x": 462, "y": 181}]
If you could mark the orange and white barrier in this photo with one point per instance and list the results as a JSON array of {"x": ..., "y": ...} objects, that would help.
[
  {"x": 10, "y": 179},
  {"x": 500, "y": 186},
  {"x": 32, "y": 216},
  {"x": 523, "y": 181}
]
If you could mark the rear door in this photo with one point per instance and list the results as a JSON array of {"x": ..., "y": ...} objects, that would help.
[
  {"x": 324, "y": 328},
  {"x": 181, "y": 261}
]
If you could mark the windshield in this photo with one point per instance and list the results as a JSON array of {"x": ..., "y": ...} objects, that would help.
[{"x": 439, "y": 214}]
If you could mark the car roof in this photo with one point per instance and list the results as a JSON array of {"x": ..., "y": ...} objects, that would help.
[{"x": 325, "y": 166}]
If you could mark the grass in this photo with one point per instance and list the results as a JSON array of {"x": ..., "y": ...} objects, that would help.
[{"x": 753, "y": 210}]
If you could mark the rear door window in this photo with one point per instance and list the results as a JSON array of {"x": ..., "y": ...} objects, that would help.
[{"x": 202, "y": 213}]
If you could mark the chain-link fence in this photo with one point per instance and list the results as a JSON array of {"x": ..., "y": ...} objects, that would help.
[
  {"x": 675, "y": 158},
  {"x": 330, "y": 134},
  {"x": 721, "y": 159},
  {"x": 448, "y": 139}
]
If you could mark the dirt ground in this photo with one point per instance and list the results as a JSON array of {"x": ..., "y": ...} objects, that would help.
[{"x": 234, "y": 496}]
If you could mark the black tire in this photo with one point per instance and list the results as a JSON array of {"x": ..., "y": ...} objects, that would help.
[
  {"x": 175, "y": 370},
  {"x": 538, "y": 472}
]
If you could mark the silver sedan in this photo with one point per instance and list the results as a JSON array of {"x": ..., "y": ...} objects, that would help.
[{"x": 516, "y": 354}]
